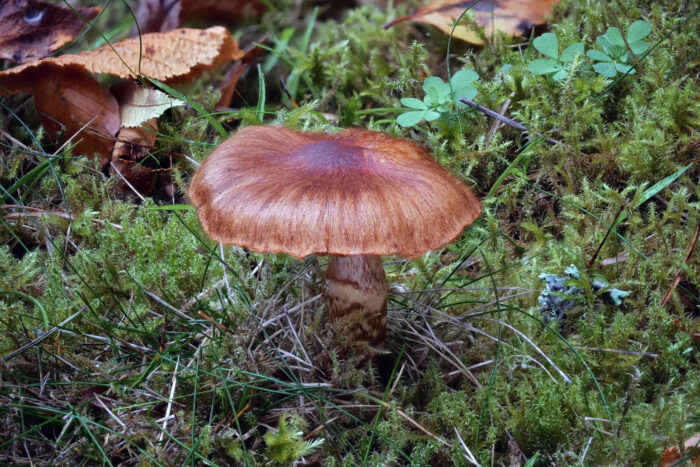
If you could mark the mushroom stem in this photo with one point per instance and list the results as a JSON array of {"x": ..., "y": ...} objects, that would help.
[{"x": 357, "y": 297}]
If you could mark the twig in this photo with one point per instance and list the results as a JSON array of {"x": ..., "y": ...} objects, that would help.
[
  {"x": 190, "y": 160},
  {"x": 416, "y": 424},
  {"x": 585, "y": 451},
  {"x": 101, "y": 403},
  {"x": 527, "y": 339},
  {"x": 587, "y": 422},
  {"x": 170, "y": 399},
  {"x": 470, "y": 457},
  {"x": 223, "y": 267},
  {"x": 624, "y": 352},
  {"x": 290, "y": 311},
  {"x": 42, "y": 337},
  {"x": 296, "y": 338},
  {"x": 37, "y": 212},
  {"x": 136, "y": 192},
  {"x": 221, "y": 327},
  {"x": 450, "y": 358},
  {"x": 497, "y": 122},
  {"x": 318, "y": 428},
  {"x": 535, "y": 361},
  {"x": 168, "y": 306},
  {"x": 243, "y": 410},
  {"x": 679, "y": 274},
  {"x": 624, "y": 39},
  {"x": 506, "y": 120},
  {"x": 607, "y": 234}
]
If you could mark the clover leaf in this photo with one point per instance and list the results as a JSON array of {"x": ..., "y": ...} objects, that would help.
[
  {"x": 438, "y": 101},
  {"x": 555, "y": 66},
  {"x": 616, "y": 57}
]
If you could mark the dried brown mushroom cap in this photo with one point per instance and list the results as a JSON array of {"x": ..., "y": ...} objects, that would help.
[
  {"x": 357, "y": 192},
  {"x": 355, "y": 195}
]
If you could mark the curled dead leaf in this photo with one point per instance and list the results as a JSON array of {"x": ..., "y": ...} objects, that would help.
[
  {"x": 132, "y": 163},
  {"x": 130, "y": 159},
  {"x": 31, "y": 29},
  {"x": 142, "y": 104},
  {"x": 513, "y": 17},
  {"x": 70, "y": 99},
  {"x": 175, "y": 56},
  {"x": 691, "y": 449}
]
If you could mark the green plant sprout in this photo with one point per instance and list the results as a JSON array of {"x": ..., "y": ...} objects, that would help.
[
  {"x": 286, "y": 445},
  {"x": 438, "y": 102},
  {"x": 616, "y": 58},
  {"x": 556, "y": 66}
]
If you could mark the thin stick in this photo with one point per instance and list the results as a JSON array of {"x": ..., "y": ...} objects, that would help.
[
  {"x": 170, "y": 399},
  {"x": 243, "y": 410},
  {"x": 296, "y": 337},
  {"x": 221, "y": 327},
  {"x": 416, "y": 424},
  {"x": 191, "y": 161},
  {"x": 607, "y": 234},
  {"x": 168, "y": 306},
  {"x": 127, "y": 182},
  {"x": 468, "y": 454},
  {"x": 624, "y": 39},
  {"x": 318, "y": 428},
  {"x": 101, "y": 403},
  {"x": 497, "y": 116},
  {"x": 290, "y": 311},
  {"x": 537, "y": 349},
  {"x": 223, "y": 266},
  {"x": 679, "y": 274},
  {"x": 624, "y": 352},
  {"x": 42, "y": 337},
  {"x": 585, "y": 451},
  {"x": 497, "y": 123}
]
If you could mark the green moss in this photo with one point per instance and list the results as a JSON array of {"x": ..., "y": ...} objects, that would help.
[{"x": 148, "y": 284}]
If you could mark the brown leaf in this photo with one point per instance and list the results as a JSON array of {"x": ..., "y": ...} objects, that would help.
[
  {"x": 228, "y": 85},
  {"x": 175, "y": 56},
  {"x": 31, "y": 29},
  {"x": 131, "y": 161},
  {"x": 129, "y": 158},
  {"x": 513, "y": 17},
  {"x": 68, "y": 98},
  {"x": 165, "y": 15},
  {"x": 673, "y": 454}
]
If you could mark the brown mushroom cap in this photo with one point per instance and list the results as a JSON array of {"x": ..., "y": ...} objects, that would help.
[{"x": 357, "y": 192}]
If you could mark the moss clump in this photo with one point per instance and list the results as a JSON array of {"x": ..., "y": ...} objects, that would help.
[{"x": 151, "y": 307}]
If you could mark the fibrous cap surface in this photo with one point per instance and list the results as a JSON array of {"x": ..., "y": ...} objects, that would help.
[{"x": 355, "y": 192}]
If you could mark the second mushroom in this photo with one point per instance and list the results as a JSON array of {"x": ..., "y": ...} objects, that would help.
[{"x": 355, "y": 195}]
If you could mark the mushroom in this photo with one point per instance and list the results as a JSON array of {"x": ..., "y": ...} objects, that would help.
[{"x": 356, "y": 195}]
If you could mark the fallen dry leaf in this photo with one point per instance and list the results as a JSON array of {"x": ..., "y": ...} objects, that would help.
[
  {"x": 131, "y": 161},
  {"x": 673, "y": 454},
  {"x": 174, "y": 56},
  {"x": 70, "y": 99},
  {"x": 30, "y": 29},
  {"x": 228, "y": 84},
  {"x": 145, "y": 104},
  {"x": 165, "y": 15},
  {"x": 513, "y": 17}
]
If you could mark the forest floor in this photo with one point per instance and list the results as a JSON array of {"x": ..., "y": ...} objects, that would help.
[{"x": 128, "y": 337}]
